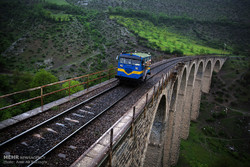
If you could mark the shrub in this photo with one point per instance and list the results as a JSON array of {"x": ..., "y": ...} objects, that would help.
[
  {"x": 219, "y": 99},
  {"x": 210, "y": 120},
  {"x": 219, "y": 115},
  {"x": 233, "y": 104},
  {"x": 177, "y": 52},
  {"x": 209, "y": 131}
]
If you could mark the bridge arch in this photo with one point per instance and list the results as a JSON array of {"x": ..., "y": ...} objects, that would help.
[
  {"x": 196, "y": 96},
  {"x": 153, "y": 153},
  {"x": 217, "y": 65},
  {"x": 206, "y": 81},
  {"x": 186, "y": 116},
  {"x": 158, "y": 124}
]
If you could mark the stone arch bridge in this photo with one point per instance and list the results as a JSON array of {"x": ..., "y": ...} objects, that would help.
[{"x": 150, "y": 133}]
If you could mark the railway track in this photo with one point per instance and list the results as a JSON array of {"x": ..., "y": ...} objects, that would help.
[{"x": 47, "y": 136}]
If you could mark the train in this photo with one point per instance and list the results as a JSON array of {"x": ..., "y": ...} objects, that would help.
[{"x": 133, "y": 67}]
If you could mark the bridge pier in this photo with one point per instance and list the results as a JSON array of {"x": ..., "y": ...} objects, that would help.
[
  {"x": 185, "y": 123},
  {"x": 171, "y": 94},
  {"x": 175, "y": 145},
  {"x": 206, "y": 82},
  {"x": 196, "y": 98},
  {"x": 168, "y": 137}
]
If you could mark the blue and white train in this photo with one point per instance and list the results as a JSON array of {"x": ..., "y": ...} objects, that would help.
[{"x": 133, "y": 66}]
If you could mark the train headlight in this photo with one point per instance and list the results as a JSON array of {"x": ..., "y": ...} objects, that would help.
[
  {"x": 121, "y": 65},
  {"x": 136, "y": 68}
]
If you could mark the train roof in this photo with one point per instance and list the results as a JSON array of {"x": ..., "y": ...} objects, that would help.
[
  {"x": 143, "y": 55},
  {"x": 135, "y": 54}
]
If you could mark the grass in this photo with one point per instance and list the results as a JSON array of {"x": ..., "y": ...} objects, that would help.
[
  {"x": 202, "y": 151},
  {"x": 193, "y": 150},
  {"x": 161, "y": 37},
  {"x": 233, "y": 64},
  {"x": 58, "y": 2},
  {"x": 62, "y": 16},
  {"x": 235, "y": 73}
]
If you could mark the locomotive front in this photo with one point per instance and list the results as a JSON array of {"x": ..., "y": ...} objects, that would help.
[{"x": 133, "y": 66}]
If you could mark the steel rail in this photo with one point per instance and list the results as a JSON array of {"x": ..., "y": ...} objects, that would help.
[
  {"x": 80, "y": 128},
  {"x": 56, "y": 116}
]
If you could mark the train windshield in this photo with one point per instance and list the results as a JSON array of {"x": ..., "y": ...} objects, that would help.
[{"x": 130, "y": 61}]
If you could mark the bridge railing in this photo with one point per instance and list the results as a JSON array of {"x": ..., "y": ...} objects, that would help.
[
  {"x": 85, "y": 80},
  {"x": 106, "y": 155}
]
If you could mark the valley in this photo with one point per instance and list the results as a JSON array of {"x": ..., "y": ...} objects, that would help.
[{"x": 44, "y": 41}]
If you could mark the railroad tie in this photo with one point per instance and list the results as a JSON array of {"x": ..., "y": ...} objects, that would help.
[
  {"x": 38, "y": 136},
  {"x": 24, "y": 143},
  {"x": 78, "y": 115},
  {"x": 72, "y": 147},
  {"x": 51, "y": 130},
  {"x": 71, "y": 120},
  {"x": 86, "y": 112},
  {"x": 59, "y": 124},
  {"x": 62, "y": 155}
]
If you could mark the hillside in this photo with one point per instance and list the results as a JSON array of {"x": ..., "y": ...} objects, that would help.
[
  {"x": 67, "y": 40},
  {"x": 213, "y": 23},
  {"x": 196, "y": 9}
]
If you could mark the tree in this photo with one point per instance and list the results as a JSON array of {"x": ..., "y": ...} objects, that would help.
[
  {"x": 202, "y": 51},
  {"x": 3, "y": 63},
  {"x": 74, "y": 89},
  {"x": 43, "y": 77}
]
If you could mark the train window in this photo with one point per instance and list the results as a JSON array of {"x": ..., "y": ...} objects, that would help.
[
  {"x": 122, "y": 60},
  {"x": 136, "y": 62},
  {"x": 125, "y": 61},
  {"x": 130, "y": 61}
]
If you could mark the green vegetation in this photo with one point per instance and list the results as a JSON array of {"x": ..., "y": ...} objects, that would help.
[
  {"x": 233, "y": 81},
  {"x": 160, "y": 37},
  {"x": 216, "y": 24},
  {"x": 56, "y": 36},
  {"x": 42, "y": 77},
  {"x": 58, "y": 2},
  {"x": 73, "y": 89},
  {"x": 25, "y": 81},
  {"x": 201, "y": 150},
  {"x": 195, "y": 9},
  {"x": 61, "y": 17}
]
